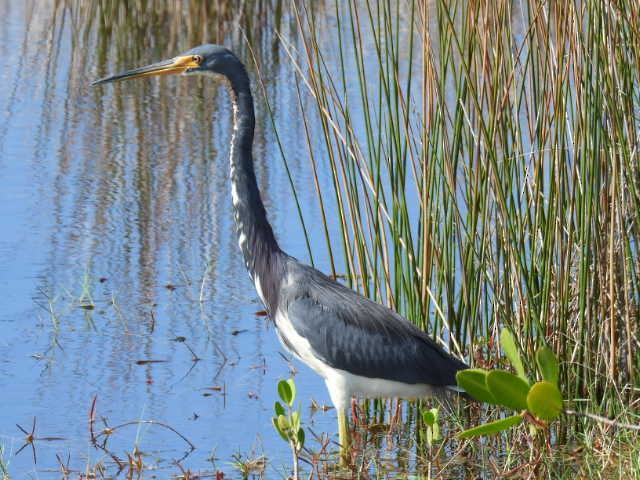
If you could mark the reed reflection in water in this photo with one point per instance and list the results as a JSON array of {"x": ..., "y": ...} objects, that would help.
[{"x": 118, "y": 238}]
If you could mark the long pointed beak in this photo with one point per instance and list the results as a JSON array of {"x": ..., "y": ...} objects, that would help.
[{"x": 166, "y": 67}]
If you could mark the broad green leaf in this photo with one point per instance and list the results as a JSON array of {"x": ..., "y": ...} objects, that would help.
[
  {"x": 292, "y": 386},
  {"x": 474, "y": 382},
  {"x": 277, "y": 427},
  {"x": 492, "y": 427},
  {"x": 508, "y": 389},
  {"x": 300, "y": 438},
  {"x": 510, "y": 349},
  {"x": 548, "y": 364},
  {"x": 284, "y": 390},
  {"x": 279, "y": 409},
  {"x": 545, "y": 400}
]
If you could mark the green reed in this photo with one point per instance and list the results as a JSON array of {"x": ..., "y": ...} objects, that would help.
[{"x": 484, "y": 158}]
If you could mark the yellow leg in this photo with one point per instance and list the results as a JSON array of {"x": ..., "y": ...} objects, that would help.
[{"x": 344, "y": 437}]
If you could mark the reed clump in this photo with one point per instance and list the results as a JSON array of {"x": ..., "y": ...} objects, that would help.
[{"x": 484, "y": 158}]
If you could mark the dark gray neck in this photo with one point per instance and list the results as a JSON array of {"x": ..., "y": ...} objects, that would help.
[{"x": 261, "y": 253}]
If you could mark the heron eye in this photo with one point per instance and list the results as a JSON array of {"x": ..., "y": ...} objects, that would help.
[{"x": 197, "y": 59}]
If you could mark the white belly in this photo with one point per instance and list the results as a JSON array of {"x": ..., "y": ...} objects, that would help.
[
  {"x": 300, "y": 345},
  {"x": 344, "y": 385}
]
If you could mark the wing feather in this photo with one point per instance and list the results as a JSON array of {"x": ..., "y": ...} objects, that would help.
[{"x": 352, "y": 333}]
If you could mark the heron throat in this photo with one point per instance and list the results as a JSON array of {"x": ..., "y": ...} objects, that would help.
[{"x": 257, "y": 242}]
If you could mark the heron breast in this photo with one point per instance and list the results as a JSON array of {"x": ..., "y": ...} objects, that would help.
[{"x": 298, "y": 345}]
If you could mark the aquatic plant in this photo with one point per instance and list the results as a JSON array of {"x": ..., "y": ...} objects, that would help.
[
  {"x": 484, "y": 167},
  {"x": 485, "y": 172},
  {"x": 540, "y": 403},
  {"x": 287, "y": 420}
]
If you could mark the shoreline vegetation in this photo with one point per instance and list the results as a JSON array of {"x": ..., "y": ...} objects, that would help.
[
  {"x": 486, "y": 175},
  {"x": 473, "y": 165}
]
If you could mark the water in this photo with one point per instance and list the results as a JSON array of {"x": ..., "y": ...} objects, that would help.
[
  {"x": 121, "y": 277},
  {"x": 118, "y": 259}
]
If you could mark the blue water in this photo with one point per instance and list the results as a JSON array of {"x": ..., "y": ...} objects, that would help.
[{"x": 118, "y": 197}]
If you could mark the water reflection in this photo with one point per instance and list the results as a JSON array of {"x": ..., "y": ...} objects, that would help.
[{"x": 117, "y": 198}]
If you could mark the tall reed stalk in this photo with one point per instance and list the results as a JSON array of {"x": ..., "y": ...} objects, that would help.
[{"x": 484, "y": 158}]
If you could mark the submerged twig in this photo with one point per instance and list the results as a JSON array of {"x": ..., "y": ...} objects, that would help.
[
  {"x": 605, "y": 420},
  {"x": 106, "y": 432}
]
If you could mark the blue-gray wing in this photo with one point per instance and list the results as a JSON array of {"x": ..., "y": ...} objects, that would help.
[{"x": 352, "y": 333}]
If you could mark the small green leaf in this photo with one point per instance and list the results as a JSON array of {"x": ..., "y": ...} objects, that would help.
[
  {"x": 474, "y": 382},
  {"x": 279, "y": 409},
  {"x": 431, "y": 431},
  {"x": 508, "y": 389},
  {"x": 429, "y": 436},
  {"x": 283, "y": 423},
  {"x": 492, "y": 427},
  {"x": 510, "y": 349},
  {"x": 545, "y": 401},
  {"x": 428, "y": 417},
  {"x": 435, "y": 433},
  {"x": 548, "y": 364},
  {"x": 436, "y": 413},
  {"x": 300, "y": 438},
  {"x": 277, "y": 427},
  {"x": 295, "y": 421},
  {"x": 284, "y": 390},
  {"x": 533, "y": 430},
  {"x": 292, "y": 386}
]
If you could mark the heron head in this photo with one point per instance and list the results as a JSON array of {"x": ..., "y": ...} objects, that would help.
[{"x": 208, "y": 58}]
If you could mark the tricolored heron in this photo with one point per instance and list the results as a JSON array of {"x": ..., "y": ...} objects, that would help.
[{"x": 359, "y": 347}]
